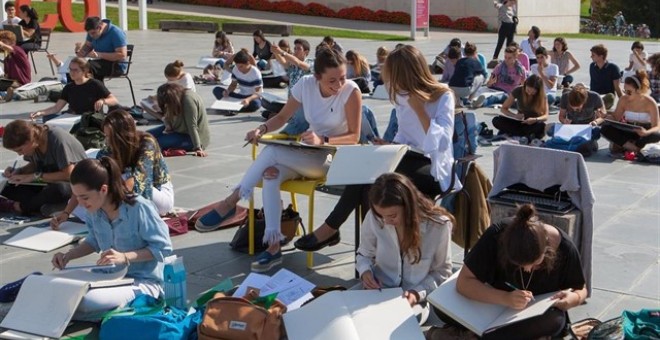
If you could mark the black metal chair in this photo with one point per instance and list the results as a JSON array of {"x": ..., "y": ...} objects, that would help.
[
  {"x": 117, "y": 73},
  {"x": 45, "y": 42}
]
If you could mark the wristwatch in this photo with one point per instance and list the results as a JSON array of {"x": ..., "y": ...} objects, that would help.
[
  {"x": 326, "y": 140},
  {"x": 38, "y": 176}
]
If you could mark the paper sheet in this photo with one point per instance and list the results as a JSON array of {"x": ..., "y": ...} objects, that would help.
[
  {"x": 273, "y": 98},
  {"x": 374, "y": 160},
  {"x": 45, "y": 239},
  {"x": 66, "y": 121},
  {"x": 568, "y": 131},
  {"x": 227, "y": 104},
  {"x": 290, "y": 288}
]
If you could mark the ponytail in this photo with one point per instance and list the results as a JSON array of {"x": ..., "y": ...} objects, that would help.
[
  {"x": 31, "y": 12},
  {"x": 94, "y": 174},
  {"x": 525, "y": 240}
]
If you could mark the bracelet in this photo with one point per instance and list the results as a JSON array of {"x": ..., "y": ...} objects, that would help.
[
  {"x": 128, "y": 263},
  {"x": 66, "y": 212},
  {"x": 265, "y": 130}
]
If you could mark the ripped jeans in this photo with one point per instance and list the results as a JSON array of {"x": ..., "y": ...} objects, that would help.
[{"x": 290, "y": 163}]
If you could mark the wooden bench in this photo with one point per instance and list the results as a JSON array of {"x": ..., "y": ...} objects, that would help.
[
  {"x": 237, "y": 27},
  {"x": 206, "y": 26}
]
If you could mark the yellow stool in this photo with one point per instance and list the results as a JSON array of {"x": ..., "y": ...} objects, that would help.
[{"x": 294, "y": 186}]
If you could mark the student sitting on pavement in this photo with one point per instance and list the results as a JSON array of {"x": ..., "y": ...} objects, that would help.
[
  {"x": 605, "y": 76},
  {"x": 404, "y": 242},
  {"x": 248, "y": 79},
  {"x": 468, "y": 75},
  {"x": 500, "y": 270},
  {"x": 453, "y": 55},
  {"x": 47, "y": 87},
  {"x": 548, "y": 73},
  {"x": 638, "y": 108},
  {"x": 185, "y": 123},
  {"x": 124, "y": 229},
  {"x": 331, "y": 105},
  {"x": 357, "y": 69},
  {"x": 137, "y": 153},
  {"x": 261, "y": 51},
  {"x": 637, "y": 58},
  {"x": 579, "y": 106},
  {"x": 16, "y": 65},
  {"x": 507, "y": 76},
  {"x": 51, "y": 154},
  {"x": 529, "y": 45},
  {"x": 222, "y": 47},
  {"x": 84, "y": 94},
  {"x": 520, "y": 56},
  {"x": 381, "y": 54},
  {"x": 529, "y": 122},
  {"x": 565, "y": 60},
  {"x": 174, "y": 73}
]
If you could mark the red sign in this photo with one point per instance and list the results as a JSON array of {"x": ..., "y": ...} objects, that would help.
[
  {"x": 65, "y": 14},
  {"x": 422, "y": 13}
]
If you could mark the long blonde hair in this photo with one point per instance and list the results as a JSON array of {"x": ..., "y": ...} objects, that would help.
[
  {"x": 360, "y": 63},
  {"x": 406, "y": 72}
]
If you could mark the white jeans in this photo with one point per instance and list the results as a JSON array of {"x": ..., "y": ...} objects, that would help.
[
  {"x": 291, "y": 163},
  {"x": 98, "y": 301}
]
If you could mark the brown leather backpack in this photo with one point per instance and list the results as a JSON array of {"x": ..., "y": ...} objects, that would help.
[{"x": 234, "y": 318}]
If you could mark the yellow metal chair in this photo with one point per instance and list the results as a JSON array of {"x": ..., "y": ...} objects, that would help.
[{"x": 295, "y": 186}]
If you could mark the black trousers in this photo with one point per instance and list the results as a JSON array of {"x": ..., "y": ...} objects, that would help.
[
  {"x": 101, "y": 68},
  {"x": 620, "y": 137},
  {"x": 32, "y": 197},
  {"x": 506, "y": 31},
  {"x": 515, "y": 128},
  {"x": 413, "y": 165},
  {"x": 551, "y": 323}
]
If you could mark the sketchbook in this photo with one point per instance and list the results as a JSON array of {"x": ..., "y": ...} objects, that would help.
[
  {"x": 45, "y": 305},
  {"x": 353, "y": 315},
  {"x": 46, "y": 239},
  {"x": 65, "y": 121},
  {"x": 227, "y": 104},
  {"x": 481, "y": 317},
  {"x": 295, "y": 143},
  {"x": 373, "y": 161},
  {"x": 622, "y": 126},
  {"x": 501, "y": 115}
]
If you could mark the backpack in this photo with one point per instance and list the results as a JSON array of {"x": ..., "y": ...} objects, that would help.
[
  {"x": 291, "y": 221},
  {"x": 90, "y": 132}
]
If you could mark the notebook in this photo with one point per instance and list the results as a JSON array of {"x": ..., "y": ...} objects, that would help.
[
  {"x": 481, "y": 317},
  {"x": 17, "y": 30},
  {"x": 43, "y": 238}
]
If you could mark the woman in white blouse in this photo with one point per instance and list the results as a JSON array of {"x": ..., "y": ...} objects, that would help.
[{"x": 404, "y": 242}]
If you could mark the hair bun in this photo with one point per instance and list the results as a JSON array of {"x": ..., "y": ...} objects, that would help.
[{"x": 524, "y": 213}]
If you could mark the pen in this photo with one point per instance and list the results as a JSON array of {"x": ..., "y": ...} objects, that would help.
[
  {"x": 246, "y": 143},
  {"x": 13, "y": 167},
  {"x": 515, "y": 288},
  {"x": 373, "y": 273}
]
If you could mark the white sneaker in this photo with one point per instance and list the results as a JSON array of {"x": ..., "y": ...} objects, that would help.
[{"x": 479, "y": 102}]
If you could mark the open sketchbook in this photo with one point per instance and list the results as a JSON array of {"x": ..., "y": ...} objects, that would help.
[
  {"x": 46, "y": 239},
  {"x": 481, "y": 317},
  {"x": 66, "y": 121},
  {"x": 362, "y": 164},
  {"x": 622, "y": 126},
  {"x": 46, "y": 303},
  {"x": 227, "y": 104},
  {"x": 353, "y": 315}
]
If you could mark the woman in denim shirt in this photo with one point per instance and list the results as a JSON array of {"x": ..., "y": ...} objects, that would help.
[{"x": 125, "y": 230}]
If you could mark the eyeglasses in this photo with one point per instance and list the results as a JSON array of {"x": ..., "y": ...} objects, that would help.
[{"x": 74, "y": 70}]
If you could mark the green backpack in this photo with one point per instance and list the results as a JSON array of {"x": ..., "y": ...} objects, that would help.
[{"x": 90, "y": 132}]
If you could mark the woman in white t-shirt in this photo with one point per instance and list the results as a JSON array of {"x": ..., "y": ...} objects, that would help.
[
  {"x": 529, "y": 45},
  {"x": 174, "y": 73},
  {"x": 332, "y": 106}
]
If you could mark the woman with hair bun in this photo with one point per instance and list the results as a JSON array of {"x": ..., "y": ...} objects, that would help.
[
  {"x": 638, "y": 108},
  {"x": 124, "y": 229},
  {"x": 517, "y": 259},
  {"x": 175, "y": 73}
]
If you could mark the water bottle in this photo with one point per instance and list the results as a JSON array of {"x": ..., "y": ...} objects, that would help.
[{"x": 174, "y": 276}]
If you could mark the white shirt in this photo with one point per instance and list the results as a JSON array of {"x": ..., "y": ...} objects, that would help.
[
  {"x": 437, "y": 142},
  {"x": 379, "y": 249},
  {"x": 247, "y": 82},
  {"x": 636, "y": 64},
  {"x": 530, "y": 49},
  {"x": 187, "y": 82},
  {"x": 326, "y": 115},
  {"x": 551, "y": 71},
  {"x": 14, "y": 21}
]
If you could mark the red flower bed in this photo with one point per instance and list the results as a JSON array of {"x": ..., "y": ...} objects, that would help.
[{"x": 351, "y": 13}]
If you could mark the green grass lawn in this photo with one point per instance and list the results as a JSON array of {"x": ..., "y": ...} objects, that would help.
[{"x": 154, "y": 17}]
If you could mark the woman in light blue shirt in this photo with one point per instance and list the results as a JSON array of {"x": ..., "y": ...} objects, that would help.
[{"x": 125, "y": 230}]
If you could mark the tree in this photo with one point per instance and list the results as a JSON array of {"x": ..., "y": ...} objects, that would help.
[{"x": 636, "y": 12}]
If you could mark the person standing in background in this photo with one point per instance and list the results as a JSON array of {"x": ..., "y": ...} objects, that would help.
[{"x": 507, "y": 16}]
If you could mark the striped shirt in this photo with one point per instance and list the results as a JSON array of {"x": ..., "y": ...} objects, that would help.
[{"x": 247, "y": 82}]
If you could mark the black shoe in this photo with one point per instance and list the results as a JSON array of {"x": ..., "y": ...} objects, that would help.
[{"x": 310, "y": 243}]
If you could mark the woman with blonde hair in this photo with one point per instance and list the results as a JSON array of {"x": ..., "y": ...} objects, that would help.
[
  {"x": 425, "y": 116},
  {"x": 529, "y": 122},
  {"x": 636, "y": 107},
  {"x": 404, "y": 242}
]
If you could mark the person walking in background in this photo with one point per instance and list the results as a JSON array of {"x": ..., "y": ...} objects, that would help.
[{"x": 507, "y": 16}]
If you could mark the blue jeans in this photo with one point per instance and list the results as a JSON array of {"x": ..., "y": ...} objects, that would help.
[
  {"x": 568, "y": 79},
  {"x": 495, "y": 99},
  {"x": 262, "y": 64},
  {"x": 171, "y": 140},
  {"x": 392, "y": 127},
  {"x": 553, "y": 99},
  {"x": 254, "y": 105}
]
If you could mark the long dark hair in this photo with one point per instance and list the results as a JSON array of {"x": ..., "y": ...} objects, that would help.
[
  {"x": 525, "y": 240},
  {"x": 538, "y": 101},
  {"x": 170, "y": 99},
  {"x": 95, "y": 173},
  {"x": 393, "y": 189},
  {"x": 327, "y": 58},
  {"x": 31, "y": 12},
  {"x": 124, "y": 139}
]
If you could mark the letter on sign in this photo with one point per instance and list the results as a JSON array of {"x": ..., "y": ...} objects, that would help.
[{"x": 65, "y": 14}]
